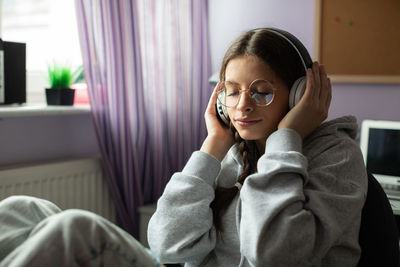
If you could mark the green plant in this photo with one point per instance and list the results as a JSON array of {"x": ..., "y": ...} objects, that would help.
[
  {"x": 60, "y": 76},
  {"x": 78, "y": 75}
]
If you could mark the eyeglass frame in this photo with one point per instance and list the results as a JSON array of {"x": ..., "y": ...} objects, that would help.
[{"x": 244, "y": 90}]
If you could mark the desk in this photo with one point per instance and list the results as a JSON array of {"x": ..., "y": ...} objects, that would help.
[{"x": 395, "y": 206}]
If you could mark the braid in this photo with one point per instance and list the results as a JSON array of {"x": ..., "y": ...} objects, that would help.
[
  {"x": 244, "y": 150},
  {"x": 225, "y": 195}
]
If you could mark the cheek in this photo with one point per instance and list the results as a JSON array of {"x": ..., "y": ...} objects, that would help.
[
  {"x": 272, "y": 119},
  {"x": 275, "y": 113},
  {"x": 282, "y": 104},
  {"x": 230, "y": 112}
]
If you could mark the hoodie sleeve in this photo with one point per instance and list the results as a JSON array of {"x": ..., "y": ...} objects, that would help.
[
  {"x": 295, "y": 209},
  {"x": 181, "y": 229}
]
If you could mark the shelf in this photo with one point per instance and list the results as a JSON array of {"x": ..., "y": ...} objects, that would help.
[{"x": 13, "y": 111}]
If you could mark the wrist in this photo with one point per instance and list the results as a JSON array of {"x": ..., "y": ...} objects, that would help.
[{"x": 216, "y": 147}]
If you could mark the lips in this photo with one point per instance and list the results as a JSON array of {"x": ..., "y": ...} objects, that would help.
[{"x": 246, "y": 122}]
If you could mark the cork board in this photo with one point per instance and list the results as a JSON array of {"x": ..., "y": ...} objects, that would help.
[{"x": 359, "y": 40}]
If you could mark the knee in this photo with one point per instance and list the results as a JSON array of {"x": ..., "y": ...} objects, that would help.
[
  {"x": 24, "y": 212},
  {"x": 23, "y": 203},
  {"x": 79, "y": 226},
  {"x": 79, "y": 220},
  {"x": 18, "y": 200}
]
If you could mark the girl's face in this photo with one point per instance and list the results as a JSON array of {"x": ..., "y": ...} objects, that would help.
[{"x": 255, "y": 122}]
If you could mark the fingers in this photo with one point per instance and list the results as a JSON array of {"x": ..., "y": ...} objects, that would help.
[
  {"x": 318, "y": 83},
  {"x": 329, "y": 96},
  {"x": 309, "y": 92},
  {"x": 318, "y": 88},
  {"x": 213, "y": 100},
  {"x": 317, "y": 80},
  {"x": 313, "y": 85},
  {"x": 325, "y": 85}
]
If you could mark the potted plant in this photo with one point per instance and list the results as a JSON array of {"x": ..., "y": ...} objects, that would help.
[{"x": 60, "y": 91}]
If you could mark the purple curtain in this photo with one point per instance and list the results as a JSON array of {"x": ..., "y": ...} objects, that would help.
[{"x": 146, "y": 65}]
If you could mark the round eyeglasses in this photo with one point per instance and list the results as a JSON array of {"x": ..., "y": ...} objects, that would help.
[{"x": 261, "y": 91}]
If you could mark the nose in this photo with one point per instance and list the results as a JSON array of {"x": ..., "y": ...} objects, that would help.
[{"x": 245, "y": 102}]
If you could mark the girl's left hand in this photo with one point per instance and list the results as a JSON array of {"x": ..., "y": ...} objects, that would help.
[{"x": 313, "y": 107}]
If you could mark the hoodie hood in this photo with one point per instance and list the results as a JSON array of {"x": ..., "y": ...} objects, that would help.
[{"x": 347, "y": 125}]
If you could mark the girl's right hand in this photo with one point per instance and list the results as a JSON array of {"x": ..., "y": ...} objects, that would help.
[{"x": 219, "y": 138}]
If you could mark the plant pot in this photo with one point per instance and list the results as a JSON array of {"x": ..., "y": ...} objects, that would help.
[{"x": 60, "y": 96}]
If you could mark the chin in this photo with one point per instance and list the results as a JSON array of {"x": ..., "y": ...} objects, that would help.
[
  {"x": 255, "y": 134},
  {"x": 250, "y": 135}
]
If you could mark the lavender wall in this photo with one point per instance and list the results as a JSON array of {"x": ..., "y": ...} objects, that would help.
[
  {"x": 42, "y": 138},
  {"x": 229, "y": 18}
]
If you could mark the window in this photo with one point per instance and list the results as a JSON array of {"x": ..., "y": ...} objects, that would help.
[{"x": 49, "y": 29}]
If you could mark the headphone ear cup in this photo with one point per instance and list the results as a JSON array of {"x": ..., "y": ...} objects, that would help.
[
  {"x": 222, "y": 113},
  {"x": 297, "y": 91}
]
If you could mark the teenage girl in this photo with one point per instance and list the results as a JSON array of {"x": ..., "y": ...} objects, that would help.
[{"x": 275, "y": 186}]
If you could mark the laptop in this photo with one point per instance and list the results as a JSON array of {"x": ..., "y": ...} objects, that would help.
[{"x": 380, "y": 145}]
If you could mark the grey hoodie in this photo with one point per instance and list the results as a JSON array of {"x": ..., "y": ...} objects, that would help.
[{"x": 302, "y": 207}]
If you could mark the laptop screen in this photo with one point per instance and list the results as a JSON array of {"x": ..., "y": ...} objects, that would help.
[
  {"x": 383, "y": 155},
  {"x": 380, "y": 144}
]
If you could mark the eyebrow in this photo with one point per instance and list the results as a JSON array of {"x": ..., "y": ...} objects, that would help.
[
  {"x": 229, "y": 81},
  {"x": 236, "y": 83}
]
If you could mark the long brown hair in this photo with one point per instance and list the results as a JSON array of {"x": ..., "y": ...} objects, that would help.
[{"x": 283, "y": 59}]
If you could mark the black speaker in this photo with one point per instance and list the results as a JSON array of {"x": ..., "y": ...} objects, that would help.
[{"x": 12, "y": 72}]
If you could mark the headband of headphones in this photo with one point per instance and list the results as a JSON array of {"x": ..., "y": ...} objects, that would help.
[
  {"x": 295, "y": 43},
  {"x": 298, "y": 88}
]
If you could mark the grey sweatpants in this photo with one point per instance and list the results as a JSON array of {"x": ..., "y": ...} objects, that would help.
[{"x": 35, "y": 232}]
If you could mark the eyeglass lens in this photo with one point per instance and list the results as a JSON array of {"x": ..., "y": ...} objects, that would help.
[{"x": 261, "y": 91}]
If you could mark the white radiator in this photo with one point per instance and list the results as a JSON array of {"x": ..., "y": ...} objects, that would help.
[{"x": 70, "y": 184}]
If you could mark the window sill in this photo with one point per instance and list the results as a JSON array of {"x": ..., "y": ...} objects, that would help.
[{"x": 12, "y": 111}]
